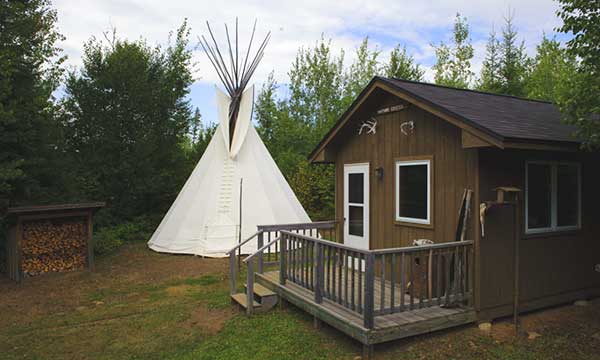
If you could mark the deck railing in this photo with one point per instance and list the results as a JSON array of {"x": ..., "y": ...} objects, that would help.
[
  {"x": 369, "y": 283},
  {"x": 268, "y": 251},
  {"x": 378, "y": 282}
]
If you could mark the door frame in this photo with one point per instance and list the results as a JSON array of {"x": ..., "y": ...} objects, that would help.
[{"x": 353, "y": 168}]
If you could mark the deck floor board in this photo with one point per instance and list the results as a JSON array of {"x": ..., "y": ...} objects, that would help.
[{"x": 386, "y": 327}]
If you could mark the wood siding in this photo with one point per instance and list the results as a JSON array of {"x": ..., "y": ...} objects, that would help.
[
  {"x": 453, "y": 170},
  {"x": 554, "y": 267}
]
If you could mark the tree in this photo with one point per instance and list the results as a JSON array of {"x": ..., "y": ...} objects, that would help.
[
  {"x": 265, "y": 109},
  {"x": 581, "y": 104},
  {"x": 126, "y": 118},
  {"x": 453, "y": 65},
  {"x": 316, "y": 82},
  {"x": 490, "y": 79},
  {"x": 362, "y": 70},
  {"x": 402, "y": 66},
  {"x": 196, "y": 126},
  {"x": 29, "y": 72},
  {"x": 552, "y": 70},
  {"x": 514, "y": 63}
]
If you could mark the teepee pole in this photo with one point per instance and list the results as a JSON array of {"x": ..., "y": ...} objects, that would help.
[{"x": 240, "y": 229}]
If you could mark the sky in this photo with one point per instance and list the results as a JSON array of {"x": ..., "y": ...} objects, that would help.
[{"x": 416, "y": 24}]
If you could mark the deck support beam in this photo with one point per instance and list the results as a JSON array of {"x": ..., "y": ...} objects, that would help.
[{"x": 368, "y": 351}]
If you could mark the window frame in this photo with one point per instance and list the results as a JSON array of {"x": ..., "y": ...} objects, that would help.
[
  {"x": 414, "y": 161},
  {"x": 553, "y": 197}
]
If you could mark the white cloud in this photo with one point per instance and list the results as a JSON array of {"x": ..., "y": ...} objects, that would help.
[{"x": 415, "y": 24}]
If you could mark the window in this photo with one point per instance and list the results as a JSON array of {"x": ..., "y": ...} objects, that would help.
[
  {"x": 356, "y": 201},
  {"x": 553, "y": 197},
  {"x": 413, "y": 191}
]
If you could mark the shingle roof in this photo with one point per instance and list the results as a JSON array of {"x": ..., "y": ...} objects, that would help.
[{"x": 506, "y": 116}]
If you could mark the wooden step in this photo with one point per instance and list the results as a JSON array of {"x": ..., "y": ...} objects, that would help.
[
  {"x": 241, "y": 299},
  {"x": 261, "y": 291}
]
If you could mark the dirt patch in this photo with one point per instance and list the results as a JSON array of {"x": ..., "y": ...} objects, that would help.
[
  {"x": 210, "y": 321},
  {"x": 545, "y": 321},
  {"x": 179, "y": 290}
]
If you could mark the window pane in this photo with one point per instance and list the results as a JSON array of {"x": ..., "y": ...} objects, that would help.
[
  {"x": 539, "y": 196},
  {"x": 356, "y": 188},
  {"x": 413, "y": 191},
  {"x": 567, "y": 196},
  {"x": 356, "y": 220}
]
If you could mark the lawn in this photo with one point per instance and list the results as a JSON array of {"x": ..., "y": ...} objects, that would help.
[{"x": 143, "y": 305}]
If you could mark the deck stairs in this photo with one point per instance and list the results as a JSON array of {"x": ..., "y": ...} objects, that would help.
[{"x": 264, "y": 299}]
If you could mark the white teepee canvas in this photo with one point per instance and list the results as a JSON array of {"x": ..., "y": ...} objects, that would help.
[{"x": 204, "y": 219}]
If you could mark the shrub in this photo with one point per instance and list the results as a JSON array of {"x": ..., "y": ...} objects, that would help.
[{"x": 109, "y": 238}]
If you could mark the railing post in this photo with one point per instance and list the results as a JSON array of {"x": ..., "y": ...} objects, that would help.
[
  {"x": 232, "y": 274},
  {"x": 282, "y": 258},
  {"x": 319, "y": 274},
  {"x": 368, "y": 315},
  {"x": 250, "y": 288},
  {"x": 260, "y": 256}
]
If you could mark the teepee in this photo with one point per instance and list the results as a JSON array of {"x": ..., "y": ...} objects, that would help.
[{"x": 236, "y": 185}]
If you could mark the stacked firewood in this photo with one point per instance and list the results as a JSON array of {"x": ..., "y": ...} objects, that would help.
[{"x": 53, "y": 246}]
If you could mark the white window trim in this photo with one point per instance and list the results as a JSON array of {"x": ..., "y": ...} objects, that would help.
[
  {"x": 554, "y": 200},
  {"x": 399, "y": 164}
]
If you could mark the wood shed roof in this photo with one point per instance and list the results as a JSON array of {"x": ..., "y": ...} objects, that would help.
[{"x": 21, "y": 210}]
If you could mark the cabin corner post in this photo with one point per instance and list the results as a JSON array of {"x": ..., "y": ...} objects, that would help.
[
  {"x": 260, "y": 255},
  {"x": 283, "y": 258},
  {"x": 368, "y": 316},
  {"x": 319, "y": 274},
  {"x": 232, "y": 273}
]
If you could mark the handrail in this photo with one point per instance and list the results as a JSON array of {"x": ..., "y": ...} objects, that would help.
[
  {"x": 299, "y": 226},
  {"x": 243, "y": 242},
  {"x": 409, "y": 249},
  {"x": 328, "y": 243},
  {"x": 262, "y": 249}
]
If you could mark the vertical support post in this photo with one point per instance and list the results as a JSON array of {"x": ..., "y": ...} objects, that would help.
[
  {"x": 319, "y": 274},
  {"x": 232, "y": 273},
  {"x": 90, "y": 241},
  {"x": 283, "y": 258},
  {"x": 250, "y": 288},
  {"x": 368, "y": 315},
  {"x": 260, "y": 241},
  {"x": 19, "y": 252},
  {"x": 517, "y": 230}
]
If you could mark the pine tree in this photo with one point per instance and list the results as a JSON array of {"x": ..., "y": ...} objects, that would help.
[
  {"x": 453, "y": 65},
  {"x": 403, "y": 66},
  {"x": 514, "y": 63},
  {"x": 490, "y": 79}
]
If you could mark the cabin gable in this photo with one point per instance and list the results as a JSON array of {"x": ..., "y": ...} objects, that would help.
[{"x": 405, "y": 132}]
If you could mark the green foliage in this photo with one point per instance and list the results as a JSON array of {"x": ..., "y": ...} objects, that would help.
[
  {"x": 453, "y": 65},
  {"x": 403, "y": 66},
  {"x": 362, "y": 70},
  {"x": 581, "y": 104},
  {"x": 490, "y": 79},
  {"x": 127, "y": 119},
  {"x": 29, "y": 73},
  {"x": 552, "y": 70},
  {"x": 514, "y": 63},
  {"x": 108, "y": 239}
]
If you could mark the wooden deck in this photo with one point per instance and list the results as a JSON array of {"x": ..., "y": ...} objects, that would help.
[{"x": 386, "y": 327}]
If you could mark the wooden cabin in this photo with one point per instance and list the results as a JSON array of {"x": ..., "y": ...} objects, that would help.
[
  {"x": 404, "y": 153},
  {"x": 452, "y": 206}
]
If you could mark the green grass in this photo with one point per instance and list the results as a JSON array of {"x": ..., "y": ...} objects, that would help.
[
  {"x": 275, "y": 335},
  {"x": 192, "y": 318}
]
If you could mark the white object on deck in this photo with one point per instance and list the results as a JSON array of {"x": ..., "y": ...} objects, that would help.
[{"x": 204, "y": 219}]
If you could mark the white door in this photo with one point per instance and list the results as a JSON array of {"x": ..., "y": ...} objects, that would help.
[{"x": 356, "y": 205}]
